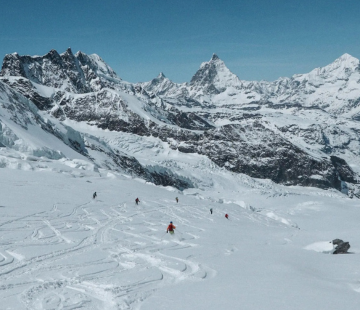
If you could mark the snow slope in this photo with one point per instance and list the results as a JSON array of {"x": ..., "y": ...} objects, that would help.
[{"x": 61, "y": 249}]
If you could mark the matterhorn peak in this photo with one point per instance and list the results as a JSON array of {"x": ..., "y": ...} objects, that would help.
[
  {"x": 161, "y": 76},
  {"x": 214, "y": 57},
  {"x": 214, "y": 72}
]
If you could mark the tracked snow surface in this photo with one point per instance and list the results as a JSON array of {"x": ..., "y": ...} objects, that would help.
[
  {"x": 70, "y": 127},
  {"x": 62, "y": 249}
]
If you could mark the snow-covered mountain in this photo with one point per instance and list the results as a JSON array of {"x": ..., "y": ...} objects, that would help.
[
  {"x": 301, "y": 130},
  {"x": 334, "y": 88},
  {"x": 78, "y": 73},
  {"x": 69, "y": 127}
]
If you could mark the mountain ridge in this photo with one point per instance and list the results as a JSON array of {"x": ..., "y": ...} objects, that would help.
[{"x": 262, "y": 129}]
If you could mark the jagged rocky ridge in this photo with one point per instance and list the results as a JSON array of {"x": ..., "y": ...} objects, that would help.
[
  {"x": 21, "y": 111},
  {"x": 296, "y": 131}
]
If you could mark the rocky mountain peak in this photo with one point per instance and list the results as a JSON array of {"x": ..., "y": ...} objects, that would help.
[
  {"x": 53, "y": 55},
  {"x": 161, "y": 76},
  {"x": 68, "y": 52},
  {"x": 97, "y": 65},
  {"x": 80, "y": 54},
  {"x": 159, "y": 85},
  {"x": 12, "y": 65},
  {"x": 214, "y": 57},
  {"x": 68, "y": 56},
  {"x": 215, "y": 76}
]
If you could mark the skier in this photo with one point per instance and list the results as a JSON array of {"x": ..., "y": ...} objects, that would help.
[
  {"x": 210, "y": 210},
  {"x": 170, "y": 228},
  {"x": 94, "y": 195},
  {"x": 177, "y": 200},
  {"x": 227, "y": 216},
  {"x": 137, "y": 201}
]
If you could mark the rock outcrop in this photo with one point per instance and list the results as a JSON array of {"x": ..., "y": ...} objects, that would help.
[{"x": 341, "y": 247}]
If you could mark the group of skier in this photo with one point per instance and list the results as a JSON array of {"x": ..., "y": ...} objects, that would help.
[
  {"x": 171, "y": 227},
  {"x": 226, "y": 215}
]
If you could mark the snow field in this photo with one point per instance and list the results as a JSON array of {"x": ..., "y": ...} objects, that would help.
[{"x": 61, "y": 249}]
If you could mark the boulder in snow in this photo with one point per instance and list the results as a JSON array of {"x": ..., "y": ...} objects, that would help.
[{"x": 341, "y": 247}]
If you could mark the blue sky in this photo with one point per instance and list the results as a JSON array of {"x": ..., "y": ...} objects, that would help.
[{"x": 257, "y": 39}]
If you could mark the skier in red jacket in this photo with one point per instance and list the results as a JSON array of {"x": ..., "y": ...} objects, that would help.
[
  {"x": 227, "y": 216},
  {"x": 170, "y": 228}
]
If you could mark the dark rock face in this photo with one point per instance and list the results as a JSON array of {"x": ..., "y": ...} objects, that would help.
[
  {"x": 165, "y": 177},
  {"x": 17, "y": 106},
  {"x": 341, "y": 247},
  {"x": 345, "y": 173},
  {"x": 271, "y": 157},
  {"x": 158, "y": 176},
  {"x": 267, "y": 156},
  {"x": 12, "y": 65},
  {"x": 206, "y": 74},
  {"x": 24, "y": 87},
  {"x": 49, "y": 70},
  {"x": 73, "y": 73},
  {"x": 188, "y": 121},
  {"x": 71, "y": 67}
]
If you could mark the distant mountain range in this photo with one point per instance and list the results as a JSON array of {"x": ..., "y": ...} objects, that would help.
[{"x": 303, "y": 130}]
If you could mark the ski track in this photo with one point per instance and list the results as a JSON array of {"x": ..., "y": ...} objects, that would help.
[{"x": 118, "y": 244}]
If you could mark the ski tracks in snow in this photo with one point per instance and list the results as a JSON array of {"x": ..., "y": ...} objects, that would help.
[{"x": 98, "y": 256}]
